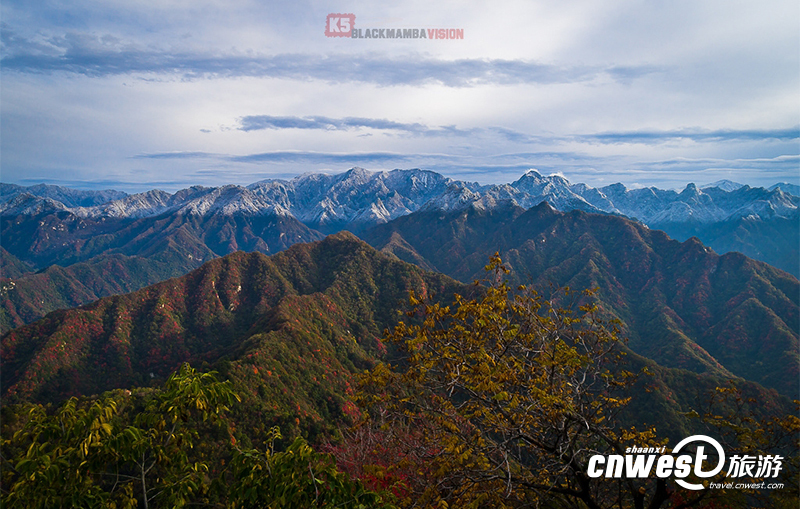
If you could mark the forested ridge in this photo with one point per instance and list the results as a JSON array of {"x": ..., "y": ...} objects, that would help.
[{"x": 291, "y": 334}]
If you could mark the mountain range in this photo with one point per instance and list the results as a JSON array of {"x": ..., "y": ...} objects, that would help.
[
  {"x": 682, "y": 305},
  {"x": 63, "y": 260},
  {"x": 104, "y": 291},
  {"x": 359, "y": 198},
  {"x": 57, "y": 243},
  {"x": 679, "y": 303},
  {"x": 291, "y": 331}
]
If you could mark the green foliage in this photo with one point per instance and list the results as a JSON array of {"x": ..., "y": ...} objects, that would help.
[
  {"x": 99, "y": 453},
  {"x": 52, "y": 468},
  {"x": 501, "y": 401},
  {"x": 295, "y": 478},
  {"x": 157, "y": 448}
]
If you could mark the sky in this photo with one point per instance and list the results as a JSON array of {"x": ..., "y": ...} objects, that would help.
[{"x": 138, "y": 94}]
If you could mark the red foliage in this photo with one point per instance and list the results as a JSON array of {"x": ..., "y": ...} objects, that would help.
[{"x": 384, "y": 459}]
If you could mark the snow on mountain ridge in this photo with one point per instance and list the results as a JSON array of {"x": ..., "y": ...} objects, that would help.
[
  {"x": 456, "y": 197},
  {"x": 786, "y": 187},
  {"x": 70, "y": 198},
  {"x": 148, "y": 203},
  {"x": 30, "y": 205},
  {"x": 724, "y": 184},
  {"x": 362, "y": 197}
]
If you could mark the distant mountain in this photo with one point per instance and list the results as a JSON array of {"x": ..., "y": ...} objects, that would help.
[
  {"x": 726, "y": 185},
  {"x": 87, "y": 258},
  {"x": 64, "y": 237},
  {"x": 158, "y": 234},
  {"x": 359, "y": 198},
  {"x": 775, "y": 241},
  {"x": 318, "y": 200},
  {"x": 651, "y": 206},
  {"x": 787, "y": 188},
  {"x": 27, "y": 297},
  {"x": 290, "y": 331},
  {"x": 532, "y": 189},
  {"x": 155, "y": 235},
  {"x": 681, "y": 304},
  {"x": 26, "y": 204},
  {"x": 355, "y": 199},
  {"x": 69, "y": 197},
  {"x": 656, "y": 207}
]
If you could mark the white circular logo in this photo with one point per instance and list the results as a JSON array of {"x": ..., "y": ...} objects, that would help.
[{"x": 699, "y": 460}]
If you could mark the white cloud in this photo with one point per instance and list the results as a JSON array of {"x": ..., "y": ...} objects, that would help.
[{"x": 88, "y": 87}]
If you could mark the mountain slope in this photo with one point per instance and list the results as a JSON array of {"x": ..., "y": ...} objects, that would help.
[
  {"x": 681, "y": 304},
  {"x": 11, "y": 266},
  {"x": 65, "y": 238},
  {"x": 100, "y": 257},
  {"x": 289, "y": 329},
  {"x": 775, "y": 241},
  {"x": 27, "y": 297}
]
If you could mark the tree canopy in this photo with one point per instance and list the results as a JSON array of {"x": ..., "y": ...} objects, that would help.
[
  {"x": 507, "y": 396},
  {"x": 495, "y": 401},
  {"x": 168, "y": 447}
]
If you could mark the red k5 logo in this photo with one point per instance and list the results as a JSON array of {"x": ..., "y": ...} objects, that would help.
[{"x": 339, "y": 25}]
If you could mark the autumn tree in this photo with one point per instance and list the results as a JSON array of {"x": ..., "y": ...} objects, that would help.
[
  {"x": 746, "y": 429},
  {"x": 509, "y": 395},
  {"x": 167, "y": 447},
  {"x": 298, "y": 477}
]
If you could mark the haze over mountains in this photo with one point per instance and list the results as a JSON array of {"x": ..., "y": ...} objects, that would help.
[
  {"x": 315, "y": 309},
  {"x": 58, "y": 243}
]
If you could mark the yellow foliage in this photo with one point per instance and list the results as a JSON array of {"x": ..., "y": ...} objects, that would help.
[{"x": 513, "y": 393}]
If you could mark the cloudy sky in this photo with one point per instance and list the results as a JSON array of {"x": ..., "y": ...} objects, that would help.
[{"x": 138, "y": 94}]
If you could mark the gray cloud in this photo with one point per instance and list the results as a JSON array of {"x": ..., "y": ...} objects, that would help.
[
  {"x": 176, "y": 155},
  {"x": 514, "y": 160},
  {"x": 258, "y": 122},
  {"x": 662, "y": 85},
  {"x": 289, "y": 156},
  {"x": 697, "y": 135},
  {"x": 781, "y": 162},
  {"x": 106, "y": 55},
  {"x": 373, "y": 158},
  {"x": 626, "y": 74},
  {"x": 108, "y": 184}
]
